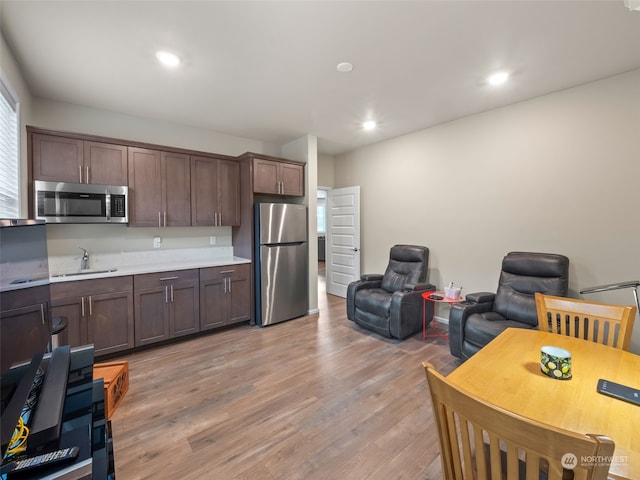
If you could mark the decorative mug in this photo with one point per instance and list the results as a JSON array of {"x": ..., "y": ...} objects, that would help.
[{"x": 555, "y": 362}]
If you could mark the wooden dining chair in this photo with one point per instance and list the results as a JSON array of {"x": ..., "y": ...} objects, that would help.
[
  {"x": 481, "y": 441},
  {"x": 599, "y": 322}
]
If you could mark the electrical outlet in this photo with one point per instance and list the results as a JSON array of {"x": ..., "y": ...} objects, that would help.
[
  {"x": 212, "y": 240},
  {"x": 157, "y": 241}
]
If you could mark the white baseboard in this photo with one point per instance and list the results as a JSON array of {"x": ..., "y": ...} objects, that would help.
[
  {"x": 441, "y": 320},
  {"x": 314, "y": 311}
]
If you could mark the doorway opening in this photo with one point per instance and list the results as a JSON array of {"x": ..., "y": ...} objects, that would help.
[{"x": 322, "y": 195}]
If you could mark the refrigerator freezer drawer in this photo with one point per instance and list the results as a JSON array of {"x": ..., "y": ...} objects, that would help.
[{"x": 284, "y": 280}]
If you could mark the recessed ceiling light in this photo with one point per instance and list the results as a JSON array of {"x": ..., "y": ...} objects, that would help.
[
  {"x": 369, "y": 125},
  {"x": 344, "y": 67},
  {"x": 498, "y": 78},
  {"x": 168, "y": 59}
]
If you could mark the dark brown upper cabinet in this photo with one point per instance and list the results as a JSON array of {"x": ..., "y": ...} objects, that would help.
[
  {"x": 159, "y": 188},
  {"x": 68, "y": 159},
  {"x": 274, "y": 177},
  {"x": 215, "y": 192}
]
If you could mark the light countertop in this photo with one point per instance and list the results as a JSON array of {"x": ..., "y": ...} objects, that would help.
[{"x": 66, "y": 269}]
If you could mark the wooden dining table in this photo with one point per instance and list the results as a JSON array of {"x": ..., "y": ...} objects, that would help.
[{"x": 506, "y": 372}]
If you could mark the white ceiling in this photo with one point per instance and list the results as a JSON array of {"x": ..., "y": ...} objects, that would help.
[{"x": 266, "y": 70}]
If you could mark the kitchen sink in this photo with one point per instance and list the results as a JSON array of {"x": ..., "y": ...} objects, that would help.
[{"x": 84, "y": 272}]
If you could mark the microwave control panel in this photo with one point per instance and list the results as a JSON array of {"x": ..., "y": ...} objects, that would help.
[{"x": 118, "y": 206}]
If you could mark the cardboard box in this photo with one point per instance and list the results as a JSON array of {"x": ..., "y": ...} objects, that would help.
[{"x": 116, "y": 383}]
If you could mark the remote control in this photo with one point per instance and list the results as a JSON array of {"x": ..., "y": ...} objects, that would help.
[
  {"x": 433, "y": 296},
  {"x": 621, "y": 392},
  {"x": 46, "y": 459}
]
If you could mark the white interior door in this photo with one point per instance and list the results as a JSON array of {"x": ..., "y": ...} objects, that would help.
[{"x": 343, "y": 239}]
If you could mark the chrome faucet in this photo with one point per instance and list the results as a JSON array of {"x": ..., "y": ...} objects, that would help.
[{"x": 84, "y": 263}]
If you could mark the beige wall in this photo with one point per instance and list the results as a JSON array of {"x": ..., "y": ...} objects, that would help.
[
  {"x": 559, "y": 173},
  {"x": 305, "y": 149},
  {"x": 326, "y": 170},
  {"x": 74, "y": 118}
]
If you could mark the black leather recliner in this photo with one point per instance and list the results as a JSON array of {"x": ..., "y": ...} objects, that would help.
[
  {"x": 484, "y": 315},
  {"x": 391, "y": 304}
]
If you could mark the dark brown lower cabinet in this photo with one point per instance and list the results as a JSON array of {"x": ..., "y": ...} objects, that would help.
[
  {"x": 225, "y": 295},
  {"x": 98, "y": 312},
  {"x": 23, "y": 324},
  {"x": 166, "y": 305}
]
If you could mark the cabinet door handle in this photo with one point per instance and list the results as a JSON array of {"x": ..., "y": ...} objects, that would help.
[
  {"x": 90, "y": 306},
  {"x": 168, "y": 278},
  {"x": 227, "y": 271},
  {"x": 166, "y": 294},
  {"x": 42, "y": 313},
  {"x": 165, "y": 218},
  {"x": 80, "y": 172},
  {"x": 171, "y": 293},
  {"x": 159, "y": 219},
  {"x": 229, "y": 284},
  {"x": 87, "y": 176},
  {"x": 225, "y": 284},
  {"x": 82, "y": 298}
]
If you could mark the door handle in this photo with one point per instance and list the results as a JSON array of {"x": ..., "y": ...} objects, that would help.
[
  {"x": 356, "y": 249},
  {"x": 90, "y": 306}
]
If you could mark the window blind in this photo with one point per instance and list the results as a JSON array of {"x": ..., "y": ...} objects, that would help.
[{"x": 9, "y": 160}]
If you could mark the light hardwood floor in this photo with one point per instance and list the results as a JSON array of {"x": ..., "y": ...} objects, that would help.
[{"x": 313, "y": 398}]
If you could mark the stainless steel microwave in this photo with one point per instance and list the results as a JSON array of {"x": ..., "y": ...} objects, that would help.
[{"x": 61, "y": 202}]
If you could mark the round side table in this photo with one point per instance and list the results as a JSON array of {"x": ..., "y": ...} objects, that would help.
[{"x": 429, "y": 297}]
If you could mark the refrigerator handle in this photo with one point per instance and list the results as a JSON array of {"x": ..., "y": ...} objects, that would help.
[{"x": 289, "y": 244}]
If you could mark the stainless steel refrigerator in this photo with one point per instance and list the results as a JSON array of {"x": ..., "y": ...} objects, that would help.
[{"x": 282, "y": 262}]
